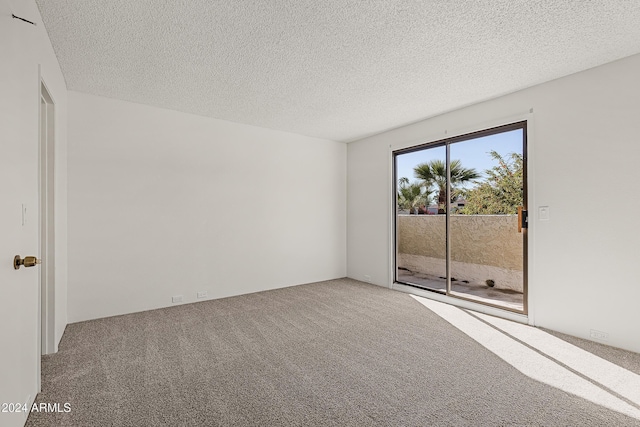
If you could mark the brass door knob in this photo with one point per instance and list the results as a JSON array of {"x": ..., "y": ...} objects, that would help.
[{"x": 28, "y": 261}]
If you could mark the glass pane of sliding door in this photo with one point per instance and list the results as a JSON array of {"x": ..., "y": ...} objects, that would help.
[
  {"x": 421, "y": 256},
  {"x": 461, "y": 216},
  {"x": 485, "y": 240}
]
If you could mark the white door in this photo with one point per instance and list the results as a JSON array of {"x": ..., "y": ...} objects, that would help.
[{"x": 19, "y": 296}]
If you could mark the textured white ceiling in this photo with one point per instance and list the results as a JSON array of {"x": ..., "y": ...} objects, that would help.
[{"x": 336, "y": 69}]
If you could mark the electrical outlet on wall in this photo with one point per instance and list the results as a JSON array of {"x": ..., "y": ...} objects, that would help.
[
  {"x": 177, "y": 298},
  {"x": 202, "y": 294},
  {"x": 599, "y": 335}
]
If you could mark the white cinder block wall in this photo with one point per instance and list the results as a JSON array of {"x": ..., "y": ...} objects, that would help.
[
  {"x": 584, "y": 155},
  {"x": 163, "y": 203}
]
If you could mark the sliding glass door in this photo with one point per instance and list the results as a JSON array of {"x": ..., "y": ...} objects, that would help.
[
  {"x": 461, "y": 216},
  {"x": 422, "y": 245}
]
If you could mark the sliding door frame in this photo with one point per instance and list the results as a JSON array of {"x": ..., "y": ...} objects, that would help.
[{"x": 522, "y": 124}]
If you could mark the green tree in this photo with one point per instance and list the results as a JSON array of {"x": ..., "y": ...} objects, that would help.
[
  {"x": 501, "y": 192},
  {"x": 435, "y": 173},
  {"x": 411, "y": 195}
]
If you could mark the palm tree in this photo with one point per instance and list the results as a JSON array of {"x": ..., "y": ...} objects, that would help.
[
  {"x": 435, "y": 172},
  {"x": 410, "y": 196}
]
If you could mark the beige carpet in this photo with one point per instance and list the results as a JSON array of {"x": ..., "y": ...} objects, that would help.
[{"x": 336, "y": 353}]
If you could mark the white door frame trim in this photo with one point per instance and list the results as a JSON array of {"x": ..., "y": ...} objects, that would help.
[{"x": 46, "y": 288}]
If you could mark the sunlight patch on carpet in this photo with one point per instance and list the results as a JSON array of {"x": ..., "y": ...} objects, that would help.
[{"x": 617, "y": 389}]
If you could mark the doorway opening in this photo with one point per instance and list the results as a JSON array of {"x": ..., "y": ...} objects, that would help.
[
  {"x": 461, "y": 216},
  {"x": 47, "y": 221}
]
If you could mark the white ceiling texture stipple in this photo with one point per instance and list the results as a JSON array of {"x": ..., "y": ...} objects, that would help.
[{"x": 335, "y": 69}]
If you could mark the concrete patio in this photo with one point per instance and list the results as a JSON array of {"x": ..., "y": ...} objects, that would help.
[{"x": 482, "y": 293}]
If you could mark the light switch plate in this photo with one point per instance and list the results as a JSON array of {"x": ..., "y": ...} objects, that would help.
[{"x": 543, "y": 213}]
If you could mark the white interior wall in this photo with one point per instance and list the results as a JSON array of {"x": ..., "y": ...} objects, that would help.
[
  {"x": 584, "y": 152},
  {"x": 24, "y": 48},
  {"x": 163, "y": 203}
]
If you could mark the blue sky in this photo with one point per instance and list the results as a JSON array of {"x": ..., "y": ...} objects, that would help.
[{"x": 473, "y": 153}]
